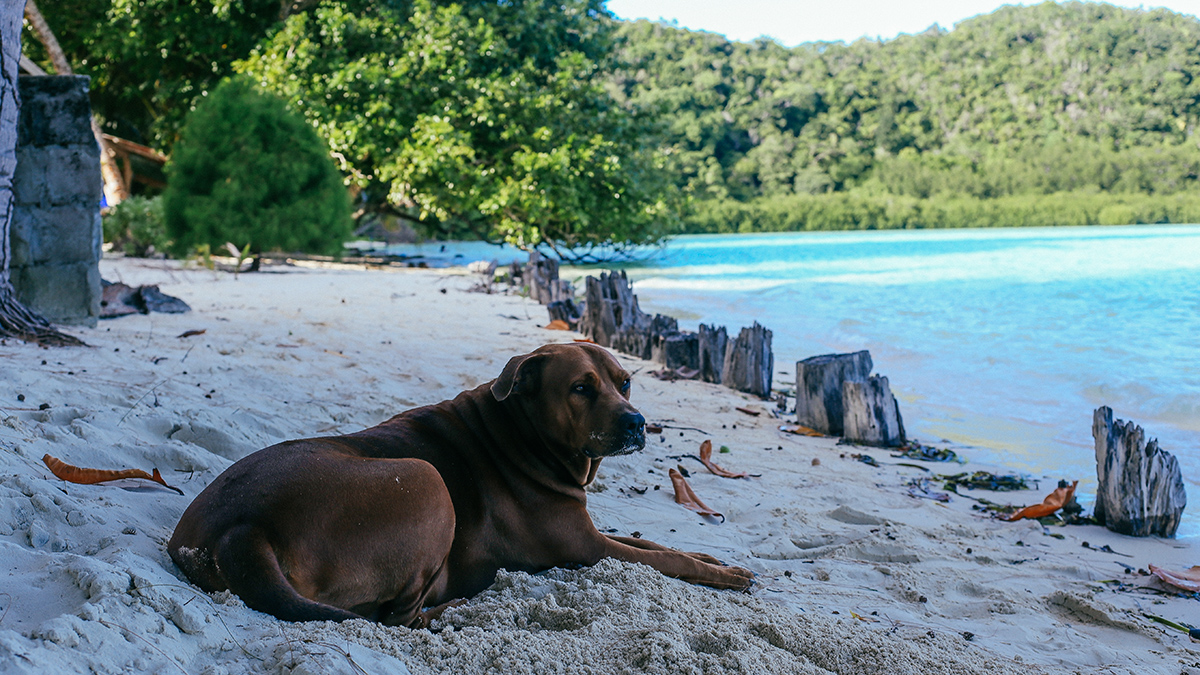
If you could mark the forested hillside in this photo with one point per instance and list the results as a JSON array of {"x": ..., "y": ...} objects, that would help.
[
  {"x": 547, "y": 121},
  {"x": 1088, "y": 99}
]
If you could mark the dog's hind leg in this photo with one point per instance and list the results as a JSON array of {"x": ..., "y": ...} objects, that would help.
[{"x": 247, "y": 562}]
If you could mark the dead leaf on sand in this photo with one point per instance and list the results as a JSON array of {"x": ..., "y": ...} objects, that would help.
[
  {"x": 190, "y": 333},
  {"x": 706, "y": 460},
  {"x": 652, "y": 428},
  {"x": 685, "y": 497},
  {"x": 558, "y": 324},
  {"x": 1188, "y": 580},
  {"x": 585, "y": 340},
  {"x": 75, "y": 474},
  {"x": 800, "y": 430},
  {"x": 748, "y": 411},
  {"x": 1053, "y": 502}
]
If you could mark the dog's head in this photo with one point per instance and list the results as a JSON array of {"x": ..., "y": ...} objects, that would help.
[{"x": 578, "y": 395}]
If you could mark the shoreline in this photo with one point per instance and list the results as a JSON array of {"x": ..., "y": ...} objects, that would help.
[{"x": 853, "y": 572}]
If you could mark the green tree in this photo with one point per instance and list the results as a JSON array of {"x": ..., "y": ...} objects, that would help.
[
  {"x": 480, "y": 119},
  {"x": 247, "y": 170},
  {"x": 151, "y": 61}
]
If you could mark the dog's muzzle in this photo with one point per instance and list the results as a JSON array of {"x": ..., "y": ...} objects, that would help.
[{"x": 633, "y": 429}]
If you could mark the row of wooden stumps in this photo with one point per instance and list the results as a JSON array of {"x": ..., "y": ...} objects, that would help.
[
  {"x": 1140, "y": 486},
  {"x": 835, "y": 394},
  {"x": 610, "y": 317}
]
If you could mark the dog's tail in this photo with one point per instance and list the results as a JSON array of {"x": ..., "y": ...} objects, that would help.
[{"x": 248, "y": 565}]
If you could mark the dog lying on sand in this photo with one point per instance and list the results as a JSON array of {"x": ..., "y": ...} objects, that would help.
[{"x": 399, "y": 521}]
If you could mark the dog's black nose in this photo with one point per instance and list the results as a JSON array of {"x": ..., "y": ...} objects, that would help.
[{"x": 633, "y": 423}]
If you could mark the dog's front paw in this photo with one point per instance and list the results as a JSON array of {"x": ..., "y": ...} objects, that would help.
[{"x": 730, "y": 577}]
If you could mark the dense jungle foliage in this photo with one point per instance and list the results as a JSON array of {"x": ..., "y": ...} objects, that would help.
[{"x": 534, "y": 121}]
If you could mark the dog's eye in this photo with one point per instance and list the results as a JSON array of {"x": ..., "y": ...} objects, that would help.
[
  {"x": 580, "y": 389},
  {"x": 625, "y": 386}
]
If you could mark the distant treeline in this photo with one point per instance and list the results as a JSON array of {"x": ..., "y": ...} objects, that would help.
[
  {"x": 857, "y": 210},
  {"x": 1071, "y": 113}
]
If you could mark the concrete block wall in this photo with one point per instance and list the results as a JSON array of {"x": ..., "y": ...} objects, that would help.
[{"x": 56, "y": 231}]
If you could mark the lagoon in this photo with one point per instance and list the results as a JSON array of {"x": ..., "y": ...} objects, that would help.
[{"x": 1000, "y": 342}]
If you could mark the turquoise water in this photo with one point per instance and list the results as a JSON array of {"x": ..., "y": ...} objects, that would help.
[{"x": 1000, "y": 340}]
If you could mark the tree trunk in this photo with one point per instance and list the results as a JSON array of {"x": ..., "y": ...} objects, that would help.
[
  {"x": 15, "y": 319},
  {"x": 116, "y": 188}
]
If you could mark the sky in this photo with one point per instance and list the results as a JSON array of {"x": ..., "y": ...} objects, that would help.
[{"x": 791, "y": 22}]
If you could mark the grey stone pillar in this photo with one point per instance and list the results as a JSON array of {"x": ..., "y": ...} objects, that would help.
[{"x": 56, "y": 232}]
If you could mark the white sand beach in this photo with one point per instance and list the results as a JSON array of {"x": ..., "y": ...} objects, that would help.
[{"x": 855, "y": 576}]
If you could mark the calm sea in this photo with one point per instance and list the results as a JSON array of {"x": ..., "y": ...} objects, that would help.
[{"x": 999, "y": 341}]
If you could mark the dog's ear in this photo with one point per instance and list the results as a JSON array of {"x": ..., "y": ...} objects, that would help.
[{"x": 522, "y": 375}]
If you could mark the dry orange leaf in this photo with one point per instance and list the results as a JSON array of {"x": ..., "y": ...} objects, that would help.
[
  {"x": 748, "y": 411},
  {"x": 1053, "y": 502},
  {"x": 585, "y": 340},
  {"x": 706, "y": 460},
  {"x": 685, "y": 497},
  {"x": 800, "y": 430},
  {"x": 558, "y": 324},
  {"x": 75, "y": 474},
  {"x": 1188, "y": 580}
]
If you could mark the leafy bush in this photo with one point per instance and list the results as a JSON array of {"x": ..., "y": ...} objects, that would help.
[
  {"x": 249, "y": 171},
  {"x": 136, "y": 226}
]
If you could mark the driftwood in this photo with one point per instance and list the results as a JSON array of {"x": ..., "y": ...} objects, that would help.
[
  {"x": 870, "y": 415},
  {"x": 1140, "y": 490},
  {"x": 120, "y": 300},
  {"x": 819, "y": 382},
  {"x": 711, "y": 344},
  {"x": 749, "y": 362},
  {"x": 678, "y": 350},
  {"x": 541, "y": 276}
]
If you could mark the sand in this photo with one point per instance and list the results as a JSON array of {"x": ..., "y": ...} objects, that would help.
[{"x": 855, "y": 575}]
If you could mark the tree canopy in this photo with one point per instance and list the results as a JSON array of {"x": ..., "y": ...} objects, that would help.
[
  {"x": 480, "y": 119},
  {"x": 550, "y": 123}
]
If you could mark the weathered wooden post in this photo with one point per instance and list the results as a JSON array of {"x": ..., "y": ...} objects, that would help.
[
  {"x": 564, "y": 310},
  {"x": 712, "y": 342},
  {"x": 678, "y": 350},
  {"x": 749, "y": 362},
  {"x": 1141, "y": 490},
  {"x": 870, "y": 415},
  {"x": 819, "y": 382},
  {"x": 638, "y": 340},
  {"x": 612, "y": 318},
  {"x": 541, "y": 275}
]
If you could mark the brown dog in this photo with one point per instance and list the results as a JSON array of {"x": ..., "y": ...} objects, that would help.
[{"x": 425, "y": 508}]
